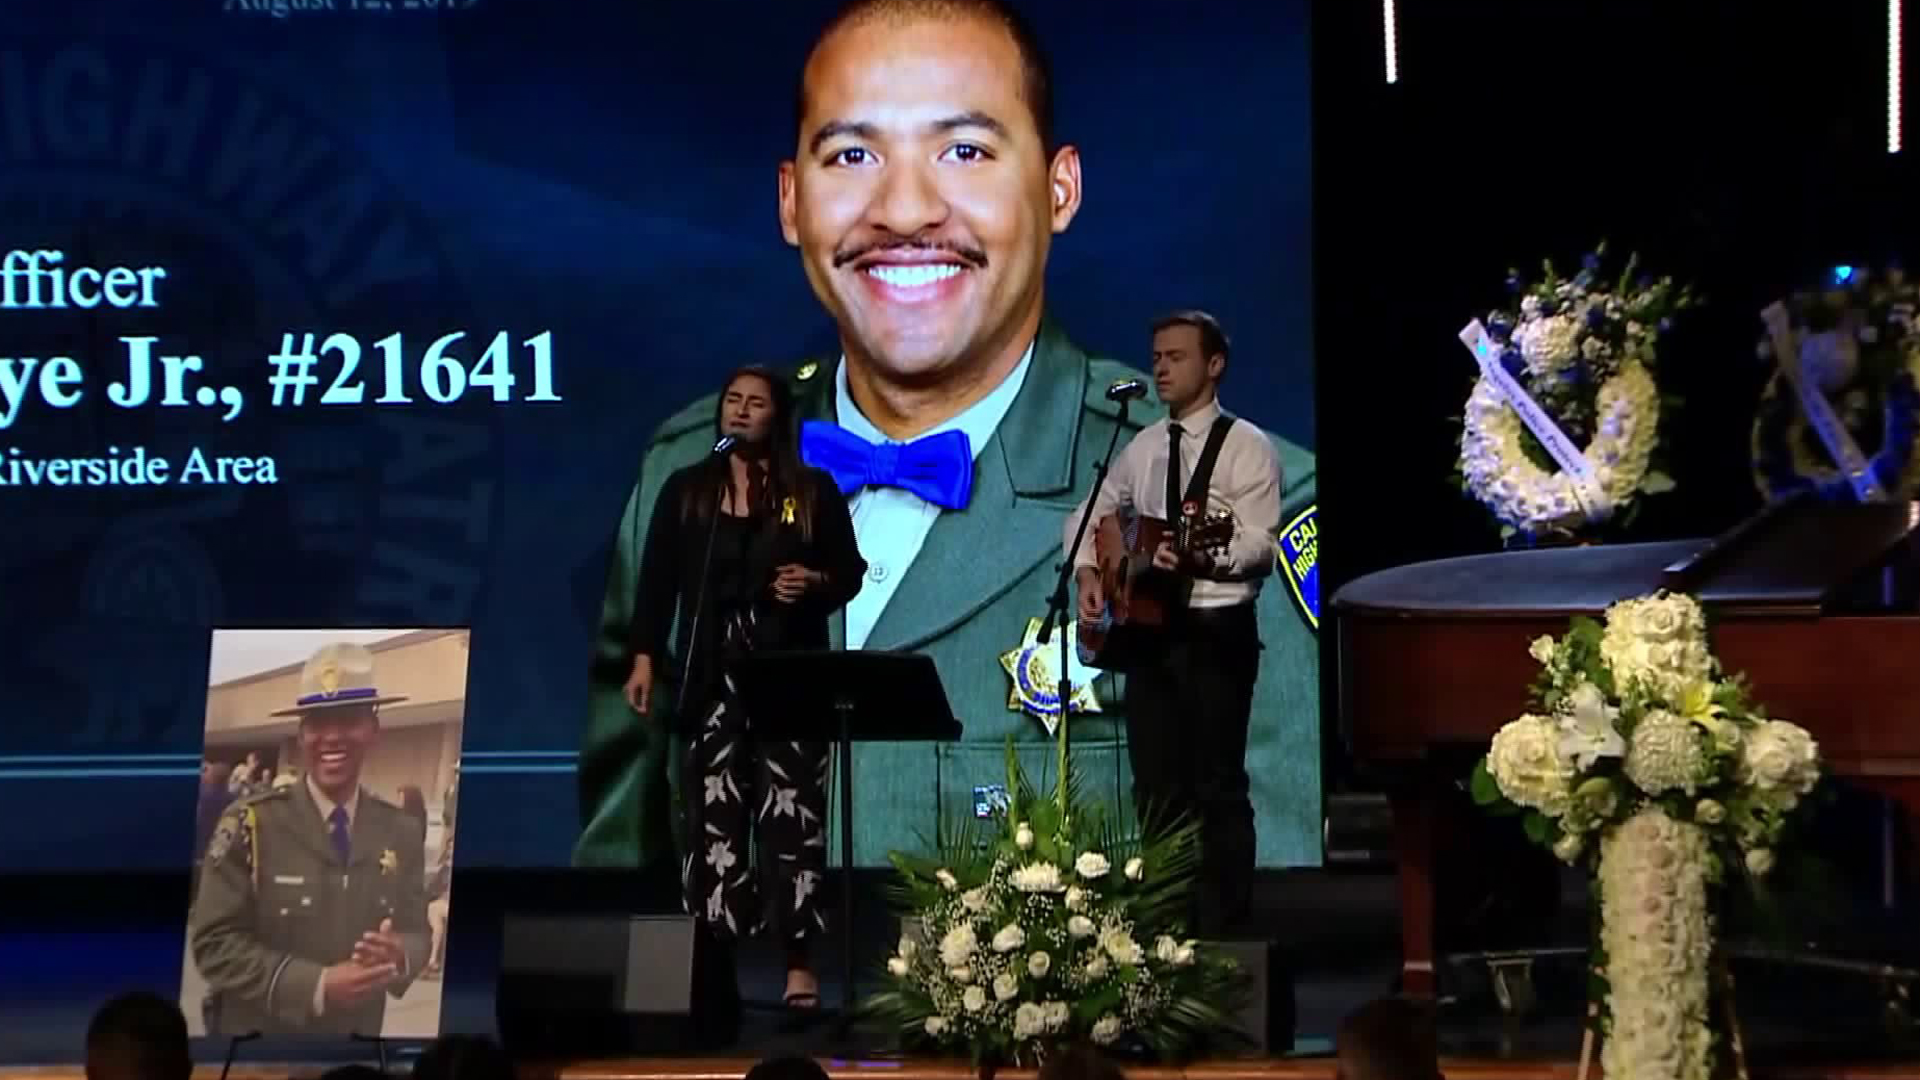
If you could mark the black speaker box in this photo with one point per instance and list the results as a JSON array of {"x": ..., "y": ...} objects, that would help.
[
  {"x": 1265, "y": 1018},
  {"x": 573, "y": 985}
]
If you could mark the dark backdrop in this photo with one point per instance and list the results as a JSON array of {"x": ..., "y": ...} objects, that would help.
[{"x": 1736, "y": 145}]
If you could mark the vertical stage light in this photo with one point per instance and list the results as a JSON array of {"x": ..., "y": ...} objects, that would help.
[
  {"x": 1393, "y": 46},
  {"x": 1894, "y": 51}
]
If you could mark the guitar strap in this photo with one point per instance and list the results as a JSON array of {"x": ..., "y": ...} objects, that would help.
[{"x": 1203, "y": 469}]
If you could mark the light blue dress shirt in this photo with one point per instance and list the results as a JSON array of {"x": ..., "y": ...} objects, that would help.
[{"x": 891, "y": 523}]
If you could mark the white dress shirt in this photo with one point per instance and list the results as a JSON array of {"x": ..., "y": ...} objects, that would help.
[
  {"x": 1245, "y": 480},
  {"x": 326, "y": 807},
  {"x": 891, "y": 524}
]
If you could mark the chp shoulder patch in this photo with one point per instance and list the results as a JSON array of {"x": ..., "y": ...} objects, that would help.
[
  {"x": 233, "y": 837},
  {"x": 236, "y": 833},
  {"x": 1297, "y": 550}
]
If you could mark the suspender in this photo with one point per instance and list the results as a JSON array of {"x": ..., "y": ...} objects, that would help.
[{"x": 1203, "y": 469}]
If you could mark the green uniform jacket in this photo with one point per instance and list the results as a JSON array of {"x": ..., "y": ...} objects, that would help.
[
  {"x": 981, "y": 576},
  {"x": 275, "y": 907}
]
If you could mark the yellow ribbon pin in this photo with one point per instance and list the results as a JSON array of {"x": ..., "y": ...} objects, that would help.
[{"x": 786, "y": 511}]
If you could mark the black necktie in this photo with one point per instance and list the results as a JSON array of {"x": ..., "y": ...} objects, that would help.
[{"x": 1174, "y": 431}]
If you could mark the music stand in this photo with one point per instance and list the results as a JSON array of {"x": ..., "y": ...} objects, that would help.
[{"x": 844, "y": 698}]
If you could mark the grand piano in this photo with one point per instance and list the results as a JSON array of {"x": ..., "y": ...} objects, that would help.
[{"x": 1818, "y": 605}]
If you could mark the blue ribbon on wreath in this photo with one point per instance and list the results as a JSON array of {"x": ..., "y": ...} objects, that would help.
[{"x": 1901, "y": 408}]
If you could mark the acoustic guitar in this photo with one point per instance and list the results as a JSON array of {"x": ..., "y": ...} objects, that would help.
[{"x": 1140, "y": 597}]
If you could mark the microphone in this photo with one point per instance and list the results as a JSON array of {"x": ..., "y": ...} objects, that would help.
[
  {"x": 725, "y": 444},
  {"x": 1127, "y": 390}
]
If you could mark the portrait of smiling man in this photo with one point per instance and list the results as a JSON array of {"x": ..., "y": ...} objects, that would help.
[{"x": 923, "y": 194}]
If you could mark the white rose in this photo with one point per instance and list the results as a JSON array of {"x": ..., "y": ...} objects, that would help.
[
  {"x": 957, "y": 946},
  {"x": 908, "y": 947},
  {"x": 1028, "y": 1020},
  {"x": 1106, "y": 1029},
  {"x": 1183, "y": 955},
  {"x": 1136, "y": 869},
  {"x": 1009, "y": 938},
  {"x": 1526, "y": 763},
  {"x": 974, "y": 899},
  {"x": 1778, "y": 754},
  {"x": 897, "y": 968},
  {"x": 1709, "y": 812},
  {"x": 1076, "y": 898},
  {"x": 961, "y": 975},
  {"x": 1759, "y": 862},
  {"x": 1092, "y": 865},
  {"x": 974, "y": 999},
  {"x": 1023, "y": 836},
  {"x": 1541, "y": 649},
  {"x": 947, "y": 880},
  {"x": 1569, "y": 847},
  {"x": 1057, "y": 1014},
  {"x": 1080, "y": 926},
  {"x": 1038, "y": 964},
  {"x": 1006, "y": 985},
  {"x": 936, "y": 1025},
  {"x": 1164, "y": 947},
  {"x": 1655, "y": 621},
  {"x": 1096, "y": 969}
]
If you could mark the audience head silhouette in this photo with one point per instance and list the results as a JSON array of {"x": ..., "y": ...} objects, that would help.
[
  {"x": 1079, "y": 1062},
  {"x": 1388, "y": 1039},
  {"x": 138, "y": 1036},
  {"x": 787, "y": 1068},
  {"x": 463, "y": 1057}
]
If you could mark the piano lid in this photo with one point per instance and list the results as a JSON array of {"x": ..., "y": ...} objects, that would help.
[{"x": 1791, "y": 559}]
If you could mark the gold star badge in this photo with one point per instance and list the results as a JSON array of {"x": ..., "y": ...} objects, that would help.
[
  {"x": 389, "y": 862},
  {"x": 1035, "y": 671},
  {"x": 807, "y": 371}
]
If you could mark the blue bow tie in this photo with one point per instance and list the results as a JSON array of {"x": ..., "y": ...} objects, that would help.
[{"x": 938, "y": 468}]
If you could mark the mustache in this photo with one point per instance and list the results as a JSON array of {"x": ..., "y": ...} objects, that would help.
[{"x": 971, "y": 255}]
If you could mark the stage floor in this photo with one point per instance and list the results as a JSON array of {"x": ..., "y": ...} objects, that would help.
[
  {"x": 72, "y": 946},
  {"x": 734, "y": 1068}
]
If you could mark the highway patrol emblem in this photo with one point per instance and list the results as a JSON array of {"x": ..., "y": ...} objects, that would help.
[
  {"x": 807, "y": 371},
  {"x": 389, "y": 862},
  {"x": 222, "y": 840},
  {"x": 1035, "y": 671},
  {"x": 1297, "y": 555},
  {"x": 329, "y": 678}
]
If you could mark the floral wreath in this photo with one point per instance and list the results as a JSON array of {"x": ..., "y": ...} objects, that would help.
[
  {"x": 1859, "y": 348},
  {"x": 1583, "y": 350}
]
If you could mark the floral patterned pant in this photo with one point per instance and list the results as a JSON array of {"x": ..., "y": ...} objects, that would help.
[{"x": 738, "y": 790}]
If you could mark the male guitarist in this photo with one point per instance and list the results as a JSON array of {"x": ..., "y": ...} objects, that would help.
[{"x": 1187, "y": 704}]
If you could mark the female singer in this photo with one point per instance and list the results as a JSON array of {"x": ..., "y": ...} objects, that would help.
[{"x": 783, "y": 558}]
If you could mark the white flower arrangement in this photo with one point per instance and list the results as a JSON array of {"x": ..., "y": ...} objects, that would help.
[
  {"x": 1642, "y": 759},
  {"x": 1657, "y": 935},
  {"x": 1584, "y": 351},
  {"x": 1038, "y": 941}
]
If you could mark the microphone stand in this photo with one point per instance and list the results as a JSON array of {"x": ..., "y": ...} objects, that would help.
[
  {"x": 1059, "y": 606},
  {"x": 696, "y": 821}
]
